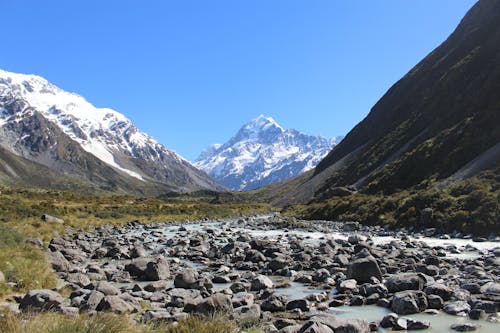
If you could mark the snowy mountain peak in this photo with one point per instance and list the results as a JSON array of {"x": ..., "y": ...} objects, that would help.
[
  {"x": 263, "y": 152},
  {"x": 262, "y": 123},
  {"x": 105, "y": 133}
]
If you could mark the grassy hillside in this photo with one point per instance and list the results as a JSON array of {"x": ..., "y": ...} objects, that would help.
[{"x": 469, "y": 206}]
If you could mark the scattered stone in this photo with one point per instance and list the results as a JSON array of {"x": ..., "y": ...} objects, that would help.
[
  {"x": 114, "y": 304},
  {"x": 261, "y": 282},
  {"x": 405, "y": 281},
  {"x": 408, "y": 302},
  {"x": 215, "y": 303},
  {"x": 464, "y": 327},
  {"x": 41, "y": 300},
  {"x": 458, "y": 308},
  {"x": 363, "y": 269},
  {"x": 186, "y": 279}
]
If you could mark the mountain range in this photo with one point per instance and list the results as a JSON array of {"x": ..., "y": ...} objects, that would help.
[
  {"x": 437, "y": 126},
  {"x": 262, "y": 152},
  {"x": 82, "y": 145}
]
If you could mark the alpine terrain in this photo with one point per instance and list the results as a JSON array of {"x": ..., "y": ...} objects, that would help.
[
  {"x": 86, "y": 146},
  {"x": 436, "y": 127},
  {"x": 262, "y": 152}
]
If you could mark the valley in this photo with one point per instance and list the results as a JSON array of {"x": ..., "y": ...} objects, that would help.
[{"x": 393, "y": 227}]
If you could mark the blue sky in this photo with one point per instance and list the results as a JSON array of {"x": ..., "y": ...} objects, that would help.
[{"x": 190, "y": 73}]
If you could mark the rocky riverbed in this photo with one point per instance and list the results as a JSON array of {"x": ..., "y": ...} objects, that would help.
[{"x": 292, "y": 276}]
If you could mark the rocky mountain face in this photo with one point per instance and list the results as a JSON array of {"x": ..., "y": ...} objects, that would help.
[
  {"x": 262, "y": 152},
  {"x": 62, "y": 131},
  {"x": 439, "y": 123}
]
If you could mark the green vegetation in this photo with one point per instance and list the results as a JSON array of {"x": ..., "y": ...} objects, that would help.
[
  {"x": 21, "y": 209},
  {"x": 22, "y": 264},
  {"x": 470, "y": 206}
]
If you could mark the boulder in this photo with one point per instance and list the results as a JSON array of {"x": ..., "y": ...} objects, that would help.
[
  {"x": 301, "y": 304},
  {"x": 273, "y": 304},
  {"x": 215, "y": 303},
  {"x": 92, "y": 301},
  {"x": 51, "y": 219},
  {"x": 457, "y": 308},
  {"x": 363, "y": 269},
  {"x": 157, "y": 270},
  {"x": 107, "y": 288},
  {"x": 342, "y": 325},
  {"x": 247, "y": 313},
  {"x": 315, "y": 327},
  {"x": 261, "y": 282},
  {"x": 405, "y": 281},
  {"x": 114, "y": 304},
  {"x": 186, "y": 279},
  {"x": 2, "y": 277},
  {"x": 41, "y": 300},
  {"x": 491, "y": 290},
  {"x": 464, "y": 327},
  {"x": 408, "y": 302},
  {"x": 439, "y": 289}
]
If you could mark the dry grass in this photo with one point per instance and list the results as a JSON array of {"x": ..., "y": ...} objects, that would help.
[{"x": 109, "y": 323}]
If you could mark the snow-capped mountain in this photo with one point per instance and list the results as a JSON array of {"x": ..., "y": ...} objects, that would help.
[
  {"x": 263, "y": 152},
  {"x": 50, "y": 126}
]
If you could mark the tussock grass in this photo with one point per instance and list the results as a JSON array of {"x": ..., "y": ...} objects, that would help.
[
  {"x": 110, "y": 323},
  {"x": 213, "y": 324},
  {"x": 23, "y": 264},
  {"x": 56, "y": 323}
]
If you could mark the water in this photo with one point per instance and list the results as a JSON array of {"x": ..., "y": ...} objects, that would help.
[{"x": 439, "y": 323}]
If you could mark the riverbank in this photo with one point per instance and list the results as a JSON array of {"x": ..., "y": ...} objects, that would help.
[{"x": 275, "y": 273}]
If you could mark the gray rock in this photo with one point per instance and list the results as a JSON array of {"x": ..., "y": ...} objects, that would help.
[
  {"x": 389, "y": 320},
  {"x": 439, "y": 289},
  {"x": 247, "y": 313},
  {"x": 435, "y": 302},
  {"x": 107, "y": 288},
  {"x": 408, "y": 302},
  {"x": 261, "y": 282},
  {"x": 2, "y": 277},
  {"x": 41, "y": 300},
  {"x": 347, "y": 285},
  {"x": 59, "y": 262},
  {"x": 363, "y": 269},
  {"x": 464, "y": 327},
  {"x": 301, "y": 304},
  {"x": 476, "y": 314},
  {"x": 92, "y": 301},
  {"x": 342, "y": 325},
  {"x": 315, "y": 327},
  {"x": 215, "y": 303},
  {"x": 242, "y": 299},
  {"x": 457, "y": 308},
  {"x": 157, "y": 270},
  {"x": 491, "y": 290},
  {"x": 79, "y": 279},
  {"x": 156, "y": 286},
  {"x": 114, "y": 304},
  {"x": 51, "y": 219},
  {"x": 186, "y": 279},
  {"x": 273, "y": 304},
  {"x": 487, "y": 306},
  {"x": 405, "y": 281}
]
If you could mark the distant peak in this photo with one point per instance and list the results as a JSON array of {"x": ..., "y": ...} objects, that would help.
[{"x": 262, "y": 122}]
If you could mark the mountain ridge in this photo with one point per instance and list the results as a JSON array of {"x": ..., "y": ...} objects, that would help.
[
  {"x": 262, "y": 152},
  {"x": 79, "y": 135}
]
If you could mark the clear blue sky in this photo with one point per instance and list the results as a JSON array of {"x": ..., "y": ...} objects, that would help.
[{"x": 190, "y": 73}]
